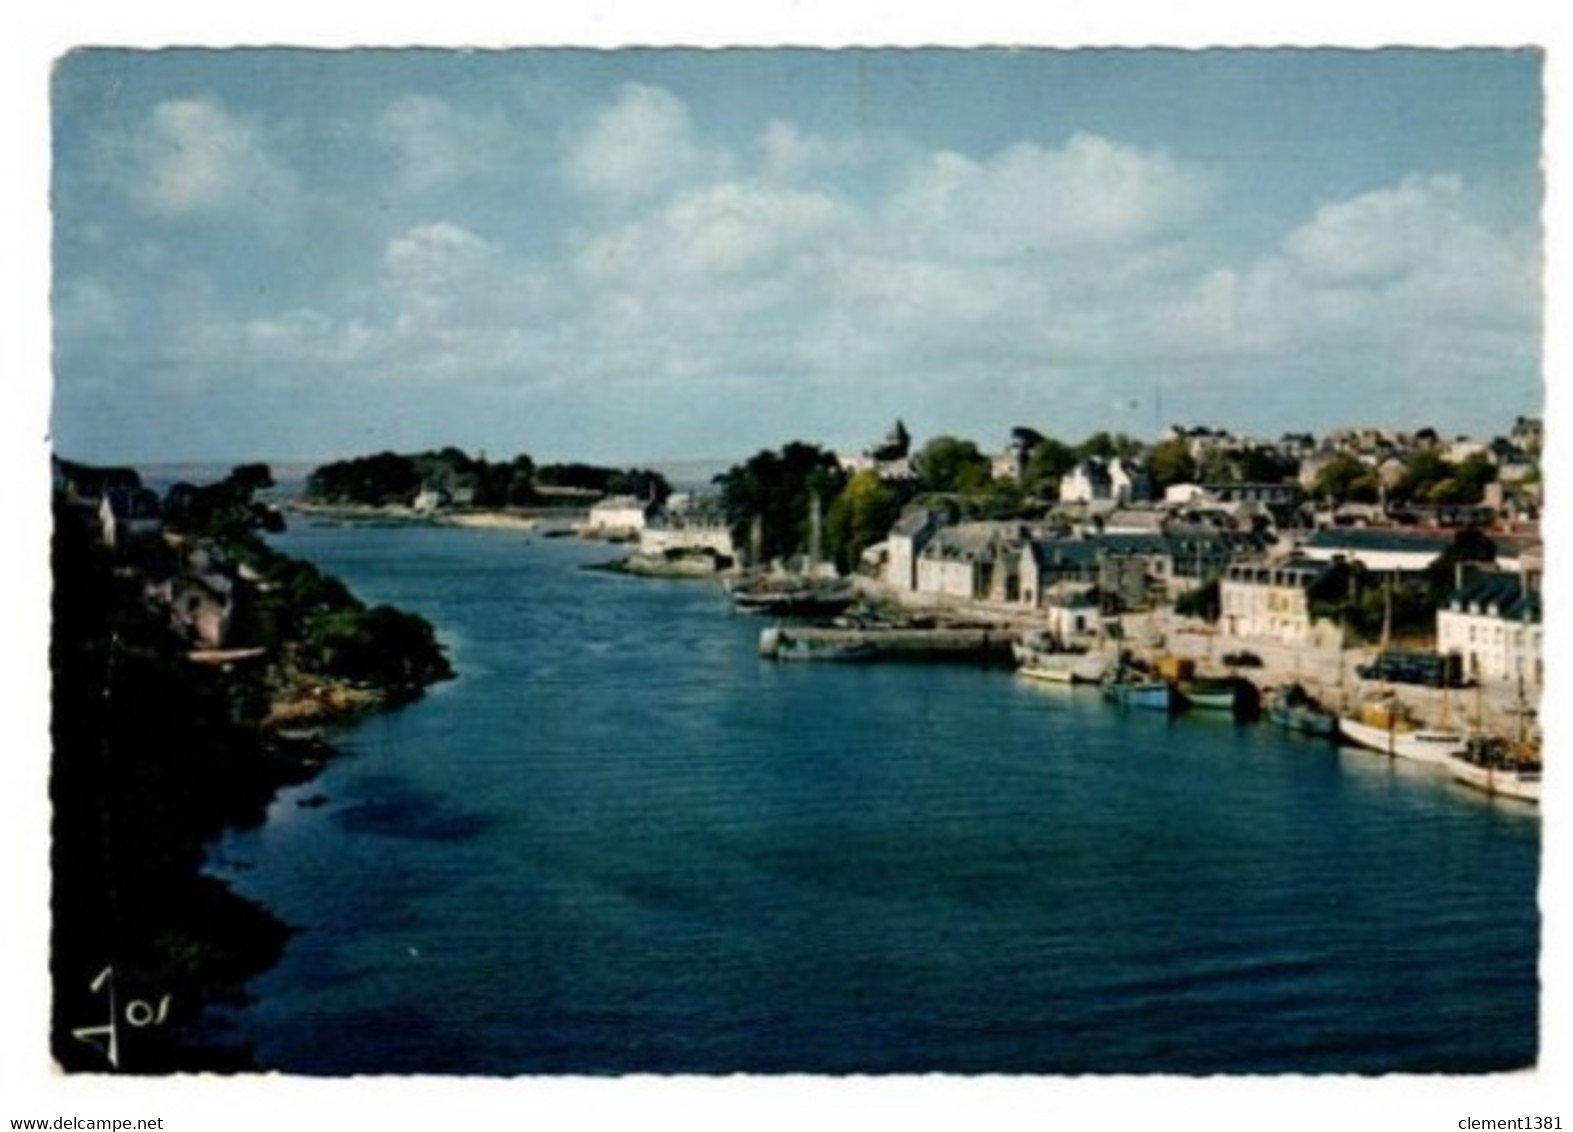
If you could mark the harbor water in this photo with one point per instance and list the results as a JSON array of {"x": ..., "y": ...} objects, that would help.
[{"x": 622, "y": 842}]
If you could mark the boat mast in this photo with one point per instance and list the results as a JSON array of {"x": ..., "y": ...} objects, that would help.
[{"x": 815, "y": 532}]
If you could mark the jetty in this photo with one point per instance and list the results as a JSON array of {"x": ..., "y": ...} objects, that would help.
[{"x": 990, "y": 646}]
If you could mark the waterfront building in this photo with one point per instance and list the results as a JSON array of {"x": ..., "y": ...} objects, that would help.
[
  {"x": 688, "y": 525},
  {"x": 429, "y": 500},
  {"x": 1494, "y": 623},
  {"x": 624, "y": 515},
  {"x": 1054, "y": 562},
  {"x": 973, "y": 562},
  {"x": 1071, "y": 612},
  {"x": 1134, "y": 571},
  {"x": 1272, "y": 602},
  {"x": 905, "y": 542}
]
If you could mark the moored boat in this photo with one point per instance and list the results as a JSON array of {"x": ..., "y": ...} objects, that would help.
[
  {"x": 1294, "y": 709},
  {"x": 1041, "y": 658},
  {"x": 1151, "y": 695},
  {"x": 1210, "y": 693},
  {"x": 1065, "y": 667},
  {"x": 1387, "y": 726},
  {"x": 1496, "y": 767},
  {"x": 800, "y": 648}
]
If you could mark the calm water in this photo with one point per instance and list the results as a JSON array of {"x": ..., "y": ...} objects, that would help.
[{"x": 622, "y": 843}]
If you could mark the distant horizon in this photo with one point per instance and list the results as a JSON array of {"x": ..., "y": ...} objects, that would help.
[{"x": 722, "y": 463}]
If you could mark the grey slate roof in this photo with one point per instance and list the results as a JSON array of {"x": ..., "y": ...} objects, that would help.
[{"x": 1497, "y": 595}]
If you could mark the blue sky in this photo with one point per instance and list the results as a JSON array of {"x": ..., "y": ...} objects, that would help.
[{"x": 653, "y": 255}]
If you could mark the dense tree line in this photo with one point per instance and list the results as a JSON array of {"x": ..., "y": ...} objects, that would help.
[
  {"x": 641, "y": 482},
  {"x": 776, "y": 493},
  {"x": 389, "y": 479}
]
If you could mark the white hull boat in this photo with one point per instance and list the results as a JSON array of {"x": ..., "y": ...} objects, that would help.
[{"x": 1423, "y": 745}]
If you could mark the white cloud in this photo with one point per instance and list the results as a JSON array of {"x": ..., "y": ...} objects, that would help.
[
  {"x": 192, "y": 157},
  {"x": 1380, "y": 236},
  {"x": 433, "y": 256},
  {"x": 1009, "y": 256},
  {"x": 1089, "y": 192},
  {"x": 438, "y": 145},
  {"x": 642, "y": 144},
  {"x": 303, "y": 336},
  {"x": 719, "y": 231},
  {"x": 1406, "y": 259}
]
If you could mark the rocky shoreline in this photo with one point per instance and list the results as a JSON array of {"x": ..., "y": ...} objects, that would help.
[{"x": 160, "y": 744}]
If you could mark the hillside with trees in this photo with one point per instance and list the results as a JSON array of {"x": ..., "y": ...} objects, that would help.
[{"x": 166, "y": 730}]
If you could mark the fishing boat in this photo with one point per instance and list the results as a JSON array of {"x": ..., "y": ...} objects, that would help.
[
  {"x": 1135, "y": 691},
  {"x": 1388, "y": 726},
  {"x": 1041, "y": 657},
  {"x": 1219, "y": 693},
  {"x": 1064, "y": 667},
  {"x": 1497, "y": 767},
  {"x": 1294, "y": 709},
  {"x": 800, "y": 648}
]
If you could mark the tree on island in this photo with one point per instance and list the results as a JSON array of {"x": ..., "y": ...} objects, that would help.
[
  {"x": 642, "y": 483},
  {"x": 227, "y": 510}
]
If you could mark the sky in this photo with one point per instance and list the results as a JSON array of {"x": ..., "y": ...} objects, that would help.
[{"x": 653, "y": 255}]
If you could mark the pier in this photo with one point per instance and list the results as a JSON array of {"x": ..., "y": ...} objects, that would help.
[{"x": 991, "y": 646}]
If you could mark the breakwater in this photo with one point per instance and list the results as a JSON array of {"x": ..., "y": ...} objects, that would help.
[{"x": 991, "y": 646}]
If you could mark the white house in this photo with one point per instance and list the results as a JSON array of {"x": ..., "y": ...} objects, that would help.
[
  {"x": 616, "y": 515},
  {"x": 687, "y": 526},
  {"x": 905, "y": 542},
  {"x": 1128, "y": 481},
  {"x": 1494, "y": 623},
  {"x": 1272, "y": 602},
  {"x": 1071, "y": 611},
  {"x": 1086, "y": 482},
  {"x": 973, "y": 562}
]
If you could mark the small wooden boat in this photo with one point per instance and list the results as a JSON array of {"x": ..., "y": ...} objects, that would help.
[
  {"x": 1149, "y": 695},
  {"x": 1210, "y": 693},
  {"x": 1294, "y": 709},
  {"x": 1039, "y": 657},
  {"x": 799, "y": 648}
]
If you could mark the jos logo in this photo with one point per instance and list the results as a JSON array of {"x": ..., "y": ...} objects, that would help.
[{"x": 138, "y": 1014}]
